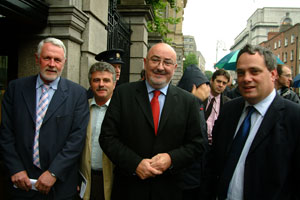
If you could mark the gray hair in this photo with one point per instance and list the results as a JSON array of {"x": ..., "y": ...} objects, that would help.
[
  {"x": 269, "y": 57},
  {"x": 53, "y": 41},
  {"x": 101, "y": 67}
]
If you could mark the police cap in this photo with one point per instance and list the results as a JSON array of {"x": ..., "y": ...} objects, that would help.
[{"x": 113, "y": 56}]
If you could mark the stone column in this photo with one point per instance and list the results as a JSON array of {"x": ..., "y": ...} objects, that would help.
[{"x": 136, "y": 13}]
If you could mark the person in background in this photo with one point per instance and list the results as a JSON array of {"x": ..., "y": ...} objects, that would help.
[
  {"x": 283, "y": 83},
  {"x": 151, "y": 131},
  {"x": 255, "y": 152},
  {"x": 195, "y": 82},
  {"x": 95, "y": 166},
  {"x": 113, "y": 57},
  {"x": 43, "y": 128},
  {"x": 216, "y": 99}
]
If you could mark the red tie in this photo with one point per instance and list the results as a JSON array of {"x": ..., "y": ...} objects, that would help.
[{"x": 155, "y": 109}]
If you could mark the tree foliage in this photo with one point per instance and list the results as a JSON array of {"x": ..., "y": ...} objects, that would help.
[
  {"x": 160, "y": 22},
  {"x": 208, "y": 74},
  {"x": 189, "y": 60}
]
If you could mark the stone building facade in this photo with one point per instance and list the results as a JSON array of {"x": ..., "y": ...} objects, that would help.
[
  {"x": 263, "y": 21},
  {"x": 191, "y": 47}
]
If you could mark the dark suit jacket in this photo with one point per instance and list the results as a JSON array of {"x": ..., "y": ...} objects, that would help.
[
  {"x": 127, "y": 136},
  {"x": 61, "y": 137},
  {"x": 273, "y": 162}
]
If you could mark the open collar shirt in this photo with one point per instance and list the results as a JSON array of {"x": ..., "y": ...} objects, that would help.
[{"x": 97, "y": 116}]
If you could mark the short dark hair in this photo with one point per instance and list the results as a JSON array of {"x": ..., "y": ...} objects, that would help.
[
  {"x": 269, "y": 57},
  {"x": 101, "y": 67},
  {"x": 220, "y": 72}
]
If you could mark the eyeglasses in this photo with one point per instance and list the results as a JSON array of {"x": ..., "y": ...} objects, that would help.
[
  {"x": 287, "y": 75},
  {"x": 166, "y": 62}
]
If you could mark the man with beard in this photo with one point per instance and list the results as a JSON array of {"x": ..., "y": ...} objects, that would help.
[
  {"x": 95, "y": 166},
  {"x": 151, "y": 131},
  {"x": 44, "y": 120},
  {"x": 283, "y": 83}
]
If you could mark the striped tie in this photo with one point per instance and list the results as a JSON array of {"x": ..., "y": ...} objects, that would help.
[{"x": 40, "y": 113}]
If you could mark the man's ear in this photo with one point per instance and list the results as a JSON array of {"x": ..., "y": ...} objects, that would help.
[{"x": 36, "y": 58}]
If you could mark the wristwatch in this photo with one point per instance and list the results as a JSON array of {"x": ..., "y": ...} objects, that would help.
[{"x": 52, "y": 174}]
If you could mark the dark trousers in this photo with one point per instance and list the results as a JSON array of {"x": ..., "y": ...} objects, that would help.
[
  {"x": 191, "y": 194},
  {"x": 97, "y": 186}
]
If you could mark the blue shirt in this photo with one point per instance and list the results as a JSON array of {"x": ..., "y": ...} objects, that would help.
[{"x": 97, "y": 116}]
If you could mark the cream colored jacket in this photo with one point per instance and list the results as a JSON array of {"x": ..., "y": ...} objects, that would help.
[{"x": 85, "y": 166}]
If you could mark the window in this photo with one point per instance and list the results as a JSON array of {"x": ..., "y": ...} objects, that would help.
[
  {"x": 275, "y": 45},
  {"x": 279, "y": 43},
  {"x": 286, "y": 42},
  {"x": 292, "y": 55},
  {"x": 285, "y": 57},
  {"x": 292, "y": 38}
]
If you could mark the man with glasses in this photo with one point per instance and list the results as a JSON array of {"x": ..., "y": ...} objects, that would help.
[
  {"x": 151, "y": 131},
  {"x": 283, "y": 83}
]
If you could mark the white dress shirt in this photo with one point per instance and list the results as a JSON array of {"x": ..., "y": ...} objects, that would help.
[{"x": 236, "y": 186}]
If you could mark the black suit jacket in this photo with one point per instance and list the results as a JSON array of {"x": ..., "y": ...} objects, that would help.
[
  {"x": 273, "y": 162},
  {"x": 61, "y": 137},
  {"x": 127, "y": 136}
]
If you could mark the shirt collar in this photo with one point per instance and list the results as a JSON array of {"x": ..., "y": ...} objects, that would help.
[
  {"x": 264, "y": 104},
  {"x": 217, "y": 98},
  {"x": 93, "y": 103},
  {"x": 151, "y": 89},
  {"x": 53, "y": 84}
]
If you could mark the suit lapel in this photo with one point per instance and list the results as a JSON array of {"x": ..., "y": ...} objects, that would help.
[
  {"x": 234, "y": 118},
  {"x": 143, "y": 101},
  {"x": 58, "y": 98},
  {"x": 29, "y": 94},
  {"x": 169, "y": 105},
  {"x": 271, "y": 117}
]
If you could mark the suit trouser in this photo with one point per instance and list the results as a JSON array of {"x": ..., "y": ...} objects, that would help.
[{"x": 97, "y": 187}]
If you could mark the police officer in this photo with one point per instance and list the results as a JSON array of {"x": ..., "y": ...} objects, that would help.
[{"x": 114, "y": 57}]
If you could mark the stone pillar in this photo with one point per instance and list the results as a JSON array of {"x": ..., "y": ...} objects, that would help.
[{"x": 136, "y": 13}]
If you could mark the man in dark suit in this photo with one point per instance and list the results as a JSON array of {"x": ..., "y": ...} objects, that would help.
[
  {"x": 216, "y": 99},
  {"x": 44, "y": 120},
  {"x": 256, "y": 150},
  {"x": 151, "y": 152}
]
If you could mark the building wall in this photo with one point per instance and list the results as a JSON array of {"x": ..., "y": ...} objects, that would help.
[
  {"x": 177, "y": 38},
  {"x": 263, "y": 21},
  {"x": 191, "y": 47},
  {"x": 286, "y": 48}
]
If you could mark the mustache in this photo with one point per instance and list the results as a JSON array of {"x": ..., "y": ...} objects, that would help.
[
  {"x": 160, "y": 72},
  {"x": 53, "y": 69},
  {"x": 101, "y": 89}
]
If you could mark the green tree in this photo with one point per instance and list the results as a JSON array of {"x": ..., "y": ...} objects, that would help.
[
  {"x": 208, "y": 74},
  {"x": 160, "y": 22},
  {"x": 190, "y": 59}
]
